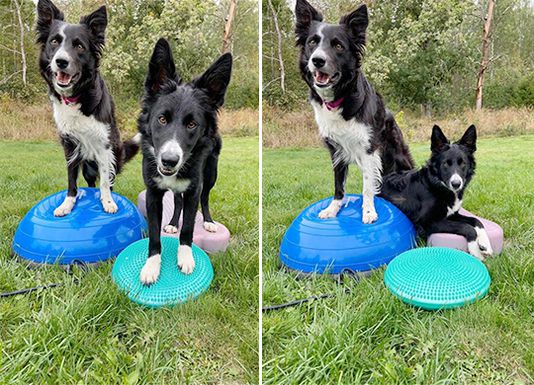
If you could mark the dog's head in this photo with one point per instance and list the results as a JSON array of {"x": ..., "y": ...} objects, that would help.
[
  {"x": 330, "y": 54},
  {"x": 177, "y": 115},
  {"x": 453, "y": 164},
  {"x": 70, "y": 53}
]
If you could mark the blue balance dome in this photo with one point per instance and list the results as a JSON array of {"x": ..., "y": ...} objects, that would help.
[
  {"x": 87, "y": 235},
  {"x": 314, "y": 245}
]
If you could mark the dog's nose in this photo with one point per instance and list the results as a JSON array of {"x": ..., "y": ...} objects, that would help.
[
  {"x": 169, "y": 160},
  {"x": 62, "y": 63},
  {"x": 456, "y": 184},
  {"x": 318, "y": 62}
]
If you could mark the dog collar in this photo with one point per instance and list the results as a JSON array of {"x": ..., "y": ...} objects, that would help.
[
  {"x": 71, "y": 100},
  {"x": 333, "y": 105}
]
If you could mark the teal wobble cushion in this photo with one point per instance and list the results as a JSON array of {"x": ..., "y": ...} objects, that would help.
[
  {"x": 435, "y": 278},
  {"x": 172, "y": 287}
]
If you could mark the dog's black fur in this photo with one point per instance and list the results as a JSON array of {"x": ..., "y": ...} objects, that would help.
[
  {"x": 81, "y": 48},
  {"x": 431, "y": 197},
  {"x": 335, "y": 74},
  {"x": 184, "y": 114}
]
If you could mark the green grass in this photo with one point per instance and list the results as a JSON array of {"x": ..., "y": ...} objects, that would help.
[
  {"x": 367, "y": 336},
  {"x": 90, "y": 333}
]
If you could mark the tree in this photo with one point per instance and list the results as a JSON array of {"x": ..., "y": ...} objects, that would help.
[{"x": 485, "y": 53}]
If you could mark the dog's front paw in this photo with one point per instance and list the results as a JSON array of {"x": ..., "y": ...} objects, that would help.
[
  {"x": 332, "y": 209},
  {"x": 65, "y": 208},
  {"x": 150, "y": 272},
  {"x": 369, "y": 216},
  {"x": 484, "y": 243},
  {"x": 210, "y": 226},
  {"x": 186, "y": 263},
  {"x": 109, "y": 206},
  {"x": 474, "y": 250},
  {"x": 170, "y": 229}
]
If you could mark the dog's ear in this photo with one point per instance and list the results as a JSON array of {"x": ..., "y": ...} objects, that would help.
[
  {"x": 97, "y": 23},
  {"x": 304, "y": 14},
  {"x": 47, "y": 12},
  {"x": 216, "y": 79},
  {"x": 469, "y": 139},
  {"x": 357, "y": 22},
  {"x": 161, "y": 68},
  {"x": 439, "y": 141}
]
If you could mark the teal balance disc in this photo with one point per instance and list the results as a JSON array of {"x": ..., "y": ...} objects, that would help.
[
  {"x": 172, "y": 287},
  {"x": 437, "y": 278}
]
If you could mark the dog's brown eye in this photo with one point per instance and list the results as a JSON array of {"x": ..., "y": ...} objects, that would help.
[
  {"x": 162, "y": 120},
  {"x": 192, "y": 125},
  {"x": 312, "y": 43},
  {"x": 54, "y": 42},
  {"x": 460, "y": 161},
  {"x": 449, "y": 162},
  {"x": 339, "y": 47},
  {"x": 80, "y": 47}
]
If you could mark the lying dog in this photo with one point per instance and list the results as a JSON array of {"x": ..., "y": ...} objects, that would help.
[
  {"x": 432, "y": 196},
  {"x": 83, "y": 108},
  {"x": 351, "y": 116},
  {"x": 181, "y": 147}
]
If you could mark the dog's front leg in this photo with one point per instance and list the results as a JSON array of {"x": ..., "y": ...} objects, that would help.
[
  {"x": 482, "y": 236},
  {"x": 186, "y": 263},
  {"x": 73, "y": 166},
  {"x": 340, "y": 176},
  {"x": 106, "y": 167},
  {"x": 172, "y": 227},
  {"x": 460, "y": 228},
  {"x": 154, "y": 209},
  {"x": 371, "y": 170}
]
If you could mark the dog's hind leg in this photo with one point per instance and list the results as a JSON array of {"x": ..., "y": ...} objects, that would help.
[
  {"x": 90, "y": 172},
  {"x": 371, "y": 165},
  {"x": 210, "y": 177},
  {"x": 73, "y": 167},
  {"x": 340, "y": 169},
  {"x": 172, "y": 227}
]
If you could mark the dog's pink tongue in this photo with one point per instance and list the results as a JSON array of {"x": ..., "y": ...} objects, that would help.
[
  {"x": 321, "y": 77},
  {"x": 63, "y": 77}
]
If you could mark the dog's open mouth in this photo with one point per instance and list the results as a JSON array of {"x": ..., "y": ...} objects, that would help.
[
  {"x": 166, "y": 171},
  {"x": 64, "y": 79},
  {"x": 324, "y": 80}
]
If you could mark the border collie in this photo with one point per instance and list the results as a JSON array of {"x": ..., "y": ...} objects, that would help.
[
  {"x": 432, "y": 196},
  {"x": 83, "y": 108},
  {"x": 181, "y": 147},
  {"x": 351, "y": 116}
]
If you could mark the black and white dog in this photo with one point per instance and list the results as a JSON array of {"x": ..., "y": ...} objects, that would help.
[
  {"x": 181, "y": 147},
  {"x": 432, "y": 196},
  {"x": 83, "y": 108},
  {"x": 351, "y": 116}
]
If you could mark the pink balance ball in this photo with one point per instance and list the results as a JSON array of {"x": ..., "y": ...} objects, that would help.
[
  {"x": 453, "y": 241},
  {"x": 207, "y": 241}
]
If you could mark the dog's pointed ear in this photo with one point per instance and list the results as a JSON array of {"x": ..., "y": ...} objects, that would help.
[
  {"x": 469, "y": 139},
  {"x": 97, "y": 23},
  {"x": 161, "y": 67},
  {"x": 47, "y": 12},
  {"x": 357, "y": 22},
  {"x": 438, "y": 141},
  {"x": 215, "y": 80},
  {"x": 304, "y": 14}
]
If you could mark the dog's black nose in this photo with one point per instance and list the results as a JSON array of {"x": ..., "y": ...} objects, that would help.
[
  {"x": 456, "y": 184},
  {"x": 62, "y": 63},
  {"x": 169, "y": 160},
  {"x": 318, "y": 62}
]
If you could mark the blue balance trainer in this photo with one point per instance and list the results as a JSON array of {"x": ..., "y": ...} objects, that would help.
[
  {"x": 314, "y": 245},
  {"x": 435, "y": 278},
  {"x": 87, "y": 235},
  {"x": 172, "y": 287}
]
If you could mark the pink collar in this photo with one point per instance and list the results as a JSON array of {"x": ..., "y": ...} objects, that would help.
[
  {"x": 71, "y": 100},
  {"x": 333, "y": 105}
]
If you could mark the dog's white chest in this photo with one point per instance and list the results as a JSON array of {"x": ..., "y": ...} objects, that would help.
[
  {"x": 352, "y": 137},
  {"x": 90, "y": 135},
  {"x": 177, "y": 185},
  {"x": 455, "y": 207}
]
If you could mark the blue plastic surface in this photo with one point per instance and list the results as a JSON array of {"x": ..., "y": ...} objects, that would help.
[
  {"x": 314, "y": 245},
  {"x": 88, "y": 234}
]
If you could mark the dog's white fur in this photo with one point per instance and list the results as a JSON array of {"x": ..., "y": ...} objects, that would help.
[
  {"x": 150, "y": 271},
  {"x": 177, "y": 185},
  {"x": 354, "y": 140},
  {"x": 186, "y": 263}
]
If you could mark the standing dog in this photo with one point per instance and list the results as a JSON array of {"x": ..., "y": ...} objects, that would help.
[
  {"x": 83, "y": 109},
  {"x": 181, "y": 147},
  {"x": 432, "y": 196},
  {"x": 351, "y": 116}
]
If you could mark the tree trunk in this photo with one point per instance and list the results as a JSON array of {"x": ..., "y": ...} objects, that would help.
[
  {"x": 22, "y": 50},
  {"x": 280, "y": 56},
  {"x": 228, "y": 27},
  {"x": 485, "y": 54}
]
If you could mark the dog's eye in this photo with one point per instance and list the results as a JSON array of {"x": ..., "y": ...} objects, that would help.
[
  {"x": 192, "y": 125},
  {"x": 54, "y": 42},
  {"x": 449, "y": 162},
  {"x": 339, "y": 47},
  {"x": 162, "y": 120},
  {"x": 80, "y": 48},
  {"x": 312, "y": 43},
  {"x": 460, "y": 161}
]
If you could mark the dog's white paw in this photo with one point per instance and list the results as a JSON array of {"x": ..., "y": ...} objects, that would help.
[
  {"x": 210, "y": 226},
  {"x": 332, "y": 209},
  {"x": 474, "y": 250},
  {"x": 66, "y": 207},
  {"x": 484, "y": 243},
  {"x": 170, "y": 229},
  {"x": 186, "y": 263},
  {"x": 150, "y": 272},
  {"x": 369, "y": 216},
  {"x": 109, "y": 206}
]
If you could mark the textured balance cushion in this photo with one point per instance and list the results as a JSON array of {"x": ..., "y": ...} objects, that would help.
[
  {"x": 437, "y": 278},
  {"x": 207, "y": 241},
  {"x": 495, "y": 234},
  {"x": 172, "y": 287}
]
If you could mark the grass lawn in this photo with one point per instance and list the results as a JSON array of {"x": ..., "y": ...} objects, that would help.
[
  {"x": 90, "y": 333},
  {"x": 369, "y": 337}
]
